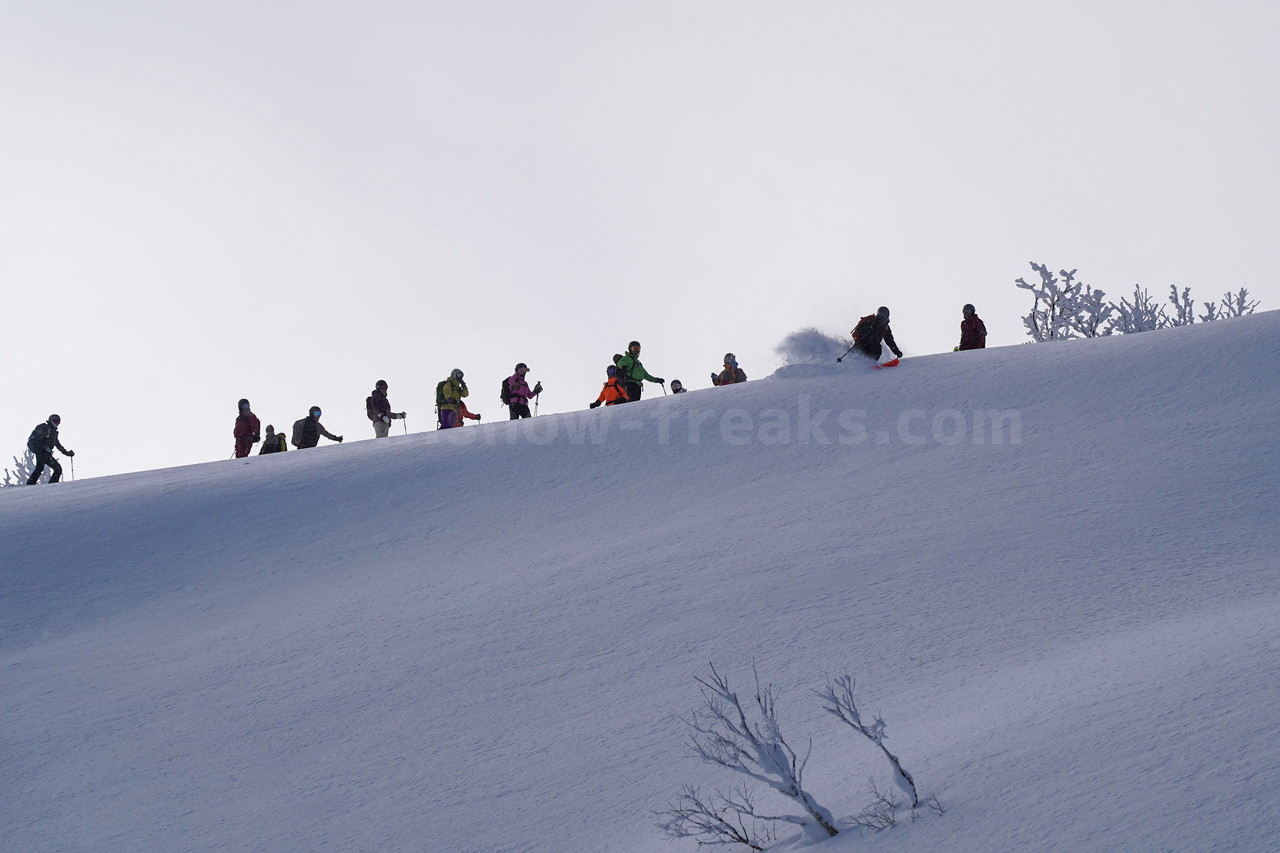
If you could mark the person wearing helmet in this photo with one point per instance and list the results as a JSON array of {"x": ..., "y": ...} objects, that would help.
[
  {"x": 449, "y": 394},
  {"x": 613, "y": 391},
  {"x": 378, "y": 408},
  {"x": 677, "y": 387},
  {"x": 519, "y": 393},
  {"x": 632, "y": 373},
  {"x": 731, "y": 373},
  {"x": 247, "y": 430},
  {"x": 871, "y": 331},
  {"x": 42, "y": 441},
  {"x": 973, "y": 332},
  {"x": 307, "y": 431},
  {"x": 273, "y": 442}
]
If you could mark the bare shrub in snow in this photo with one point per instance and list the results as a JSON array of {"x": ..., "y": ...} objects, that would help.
[
  {"x": 22, "y": 469},
  {"x": 717, "y": 818},
  {"x": 748, "y": 740},
  {"x": 881, "y": 812},
  {"x": 722, "y": 734},
  {"x": 839, "y": 702}
]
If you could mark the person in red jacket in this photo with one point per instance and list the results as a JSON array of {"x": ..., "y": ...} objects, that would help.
[
  {"x": 247, "y": 430},
  {"x": 973, "y": 332}
]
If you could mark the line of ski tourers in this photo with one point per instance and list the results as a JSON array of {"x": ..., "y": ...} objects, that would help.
[{"x": 624, "y": 384}]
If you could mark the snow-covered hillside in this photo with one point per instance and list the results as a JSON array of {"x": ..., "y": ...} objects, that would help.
[{"x": 1052, "y": 568}]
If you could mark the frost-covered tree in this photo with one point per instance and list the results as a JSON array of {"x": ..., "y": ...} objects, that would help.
[
  {"x": 1055, "y": 305},
  {"x": 1143, "y": 314},
  {"x": 1089, "y": 315},
  {"x": 1237, "y": 304},
  {"x": 22, "y": 469},
  {"x": 1066, "y": 308},
  {"x": 1183, "y": 306}
]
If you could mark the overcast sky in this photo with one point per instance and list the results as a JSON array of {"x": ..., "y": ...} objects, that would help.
[{"x": 289, "y": 201}]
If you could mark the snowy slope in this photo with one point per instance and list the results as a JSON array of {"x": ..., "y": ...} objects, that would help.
[{"x": 1053, "y": 568}]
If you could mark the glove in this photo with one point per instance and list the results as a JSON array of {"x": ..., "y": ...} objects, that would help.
[
  {"x": 478, "y": 418},
  {"x": 714, "y": 377},
  {"x": 956, "y": 349},
  {"x": 659, "y": 381},
  {"x": 537, "y": 389},
  {"x": 386, "y": 419},
  {"x": 401, "y": 415},
  {"x": 462, "y": 385},
  {"x": 898, "y": 353},
  {"x": 594, "y": 405},
  {"x": 71, "y": 453},
  {"x": 339, "y": 439}
]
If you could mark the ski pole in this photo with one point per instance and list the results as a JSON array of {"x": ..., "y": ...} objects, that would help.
[
  {"x": 406, "y": 425},
  {"x": 537, "y": 398},
  {"x": 846, "y": 352},
  {"x": 72, "y": 464}
]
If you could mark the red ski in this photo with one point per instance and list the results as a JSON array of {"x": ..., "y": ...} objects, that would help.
[{"x": 890, "y": 363}]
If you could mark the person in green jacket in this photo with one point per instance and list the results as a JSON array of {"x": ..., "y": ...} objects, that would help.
[
  {"x": 449, "y": 394},
  {"x": 633, "y": 372}
]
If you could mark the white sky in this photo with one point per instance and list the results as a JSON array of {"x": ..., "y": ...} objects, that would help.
[{"x": 288, "y": 201}]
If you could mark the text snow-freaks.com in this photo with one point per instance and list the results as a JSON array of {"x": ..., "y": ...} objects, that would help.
[{"x": 805, "y": 425}]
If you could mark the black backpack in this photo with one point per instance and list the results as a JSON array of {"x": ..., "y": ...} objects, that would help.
[
  {"x": 505, "y": 395},
  {"x": 39, "y": 438}
]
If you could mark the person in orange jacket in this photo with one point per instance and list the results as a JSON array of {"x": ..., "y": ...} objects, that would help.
[
  {"x": 464, "y": 414},
  {"x": 613, "y": 391}
]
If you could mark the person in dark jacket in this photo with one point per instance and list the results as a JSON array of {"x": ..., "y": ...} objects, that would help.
[
  {"x": 973, "y": 332},
  {"x": 731, "y": 373},
  {"x": 42, "y": 441},
  {"x": 632, "y": 372},
  {"x": 871, "y": 331},
  {"x": 307, "y": 431},
  {"x": 378, "y": 408},
  {"x": 273, "y": 442},
  {"x": 519, "y": 392},
  {"x": 247, "y": 429}
]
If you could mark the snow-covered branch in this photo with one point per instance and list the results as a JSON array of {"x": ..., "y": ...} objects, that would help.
[{"x": 839, "y": 702}]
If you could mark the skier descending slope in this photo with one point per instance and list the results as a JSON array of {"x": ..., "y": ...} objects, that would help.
[{"x": 870, "y": 332}]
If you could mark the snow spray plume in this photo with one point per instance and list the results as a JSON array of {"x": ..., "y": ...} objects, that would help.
[
  {"x": 808, "y": 351},
  {"x": 810, "y": 346}
]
